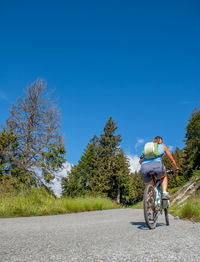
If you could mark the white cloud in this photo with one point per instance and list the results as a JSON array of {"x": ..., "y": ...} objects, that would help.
[
  {"x": 56, "y": 186},
  {"x": 139, "y": 142},
  {"x": 56, "y": 183},
  {"x": 134, "y": 162}
]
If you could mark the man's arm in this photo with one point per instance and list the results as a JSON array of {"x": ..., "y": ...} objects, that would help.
[{"x": 170, "y": 157}]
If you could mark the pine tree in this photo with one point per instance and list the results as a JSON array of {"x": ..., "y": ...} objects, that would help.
[
  {"x": 106, "y": 157},
  {"x": 71, "y": 184}
]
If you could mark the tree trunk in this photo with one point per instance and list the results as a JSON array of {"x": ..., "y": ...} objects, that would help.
[{"x": 118, "y": 195}]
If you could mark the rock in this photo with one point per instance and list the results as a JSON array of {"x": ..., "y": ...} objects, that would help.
[{"x": 186, "y": 191}]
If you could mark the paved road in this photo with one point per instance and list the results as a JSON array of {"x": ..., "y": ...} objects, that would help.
[{"x": 112, "y": 235}]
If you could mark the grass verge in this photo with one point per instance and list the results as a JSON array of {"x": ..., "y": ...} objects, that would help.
[
  {"x": 37, "y": 202},
  {"x": 138, "y": 205},
  {"x": 189, "y": 210}
]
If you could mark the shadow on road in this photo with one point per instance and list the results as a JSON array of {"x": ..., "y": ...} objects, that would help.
[{"x": 143, "y": 226}]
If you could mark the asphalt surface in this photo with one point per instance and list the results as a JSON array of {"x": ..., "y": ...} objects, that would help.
[{"x": 112, "y": 235}]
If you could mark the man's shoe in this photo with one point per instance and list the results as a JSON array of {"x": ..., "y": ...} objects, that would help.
[{"x": 165, "y": 196}]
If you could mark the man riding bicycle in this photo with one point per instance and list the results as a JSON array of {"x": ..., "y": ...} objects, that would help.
[{"x": 151, "y": 162}]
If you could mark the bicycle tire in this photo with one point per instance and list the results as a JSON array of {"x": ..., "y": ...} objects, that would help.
[
  {"x": 166, "y": 216},
  {"x": 149, "y": 203}
]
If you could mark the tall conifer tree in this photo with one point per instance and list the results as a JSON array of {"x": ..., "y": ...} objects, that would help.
[{"x": 106, "y": 157}]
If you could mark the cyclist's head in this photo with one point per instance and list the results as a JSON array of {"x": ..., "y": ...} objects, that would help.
[{"x": 158, "y": 140}]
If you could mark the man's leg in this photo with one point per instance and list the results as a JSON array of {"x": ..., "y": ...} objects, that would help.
[
  {"x": 164, "y": 183},
  {"x": 165, "y": 194}
]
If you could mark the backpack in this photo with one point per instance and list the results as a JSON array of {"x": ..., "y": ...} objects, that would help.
[{"x": 151, "y": 150}]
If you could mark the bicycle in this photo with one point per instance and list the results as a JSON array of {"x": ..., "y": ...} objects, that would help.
[{"x": 153, "y": 209}]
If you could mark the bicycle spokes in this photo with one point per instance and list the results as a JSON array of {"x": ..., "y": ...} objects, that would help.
[{"x": 149, "y": 206}]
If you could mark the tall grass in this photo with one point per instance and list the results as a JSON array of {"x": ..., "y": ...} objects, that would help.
[
  {"x": 138, "y": 205},
  {"x": 189, "y": 210},
  {"x": 37, "y": 202}
]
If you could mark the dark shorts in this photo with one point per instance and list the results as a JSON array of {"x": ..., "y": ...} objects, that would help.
[{"x": 153, "y": 167}]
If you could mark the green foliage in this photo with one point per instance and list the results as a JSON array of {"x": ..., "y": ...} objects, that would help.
[
  {"x": 120, "y": 181},
  {"x": 137, "y": 186},
  {"x": 80, "y": 180},
  {"x": 53, "y": 159},
  {"x": 192, "y": 148},
  {"x": 8, "y": 184},
  {"x": 8, "y": 148},
  {"x": 10, "y": 159}
]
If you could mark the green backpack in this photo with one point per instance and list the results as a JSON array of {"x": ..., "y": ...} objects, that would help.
[{"x": 151, "y": 150}]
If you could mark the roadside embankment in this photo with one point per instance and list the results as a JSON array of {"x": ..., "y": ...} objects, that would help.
[
  {"x": 186, "y": 201},
  {"x": 190, "y": 209}
]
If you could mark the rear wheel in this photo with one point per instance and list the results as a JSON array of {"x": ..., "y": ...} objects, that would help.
[{"x": 150, "y": 213}]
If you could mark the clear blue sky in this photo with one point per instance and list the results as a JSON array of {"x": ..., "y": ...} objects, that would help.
[{"x": 138, "y": 61}]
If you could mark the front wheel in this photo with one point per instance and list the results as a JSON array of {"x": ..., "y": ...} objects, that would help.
[
  {"x": 150, "y": 213},
  {"x": 166, "y": 216},
  {"x": 165, "y": 206}
]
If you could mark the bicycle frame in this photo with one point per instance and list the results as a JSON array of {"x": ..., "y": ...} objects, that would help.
[{"x": 164, "y": 203}]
